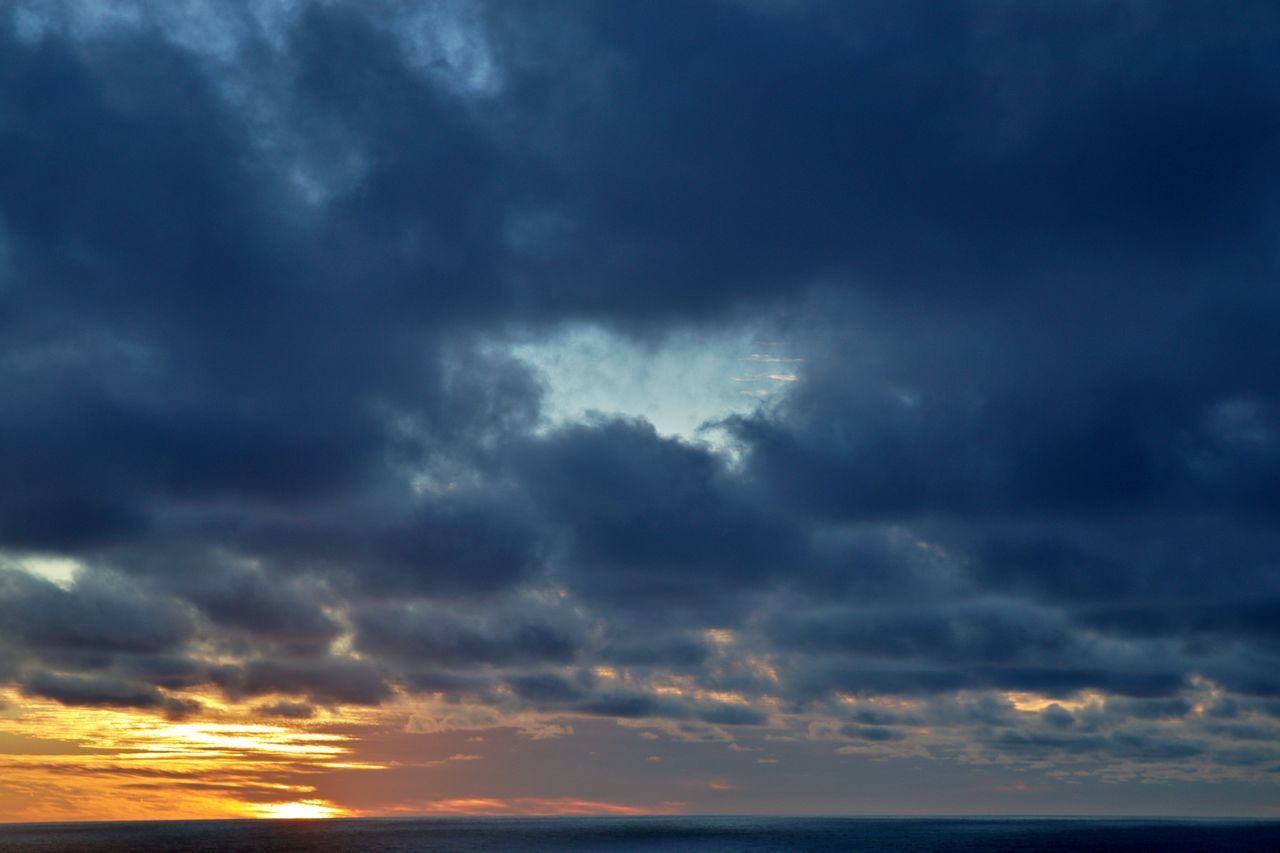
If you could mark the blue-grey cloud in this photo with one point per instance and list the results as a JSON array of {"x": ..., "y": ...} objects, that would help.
[{"x": 260, "y": 307}]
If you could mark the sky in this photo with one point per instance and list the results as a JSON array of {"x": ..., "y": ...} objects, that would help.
[{"x": 724, "y": 406}]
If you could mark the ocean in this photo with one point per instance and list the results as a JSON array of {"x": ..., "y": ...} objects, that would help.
[{"x": 623, "y": 835}]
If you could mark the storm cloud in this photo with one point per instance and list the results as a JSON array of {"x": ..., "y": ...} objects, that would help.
[{"x": 266, "y": 272}]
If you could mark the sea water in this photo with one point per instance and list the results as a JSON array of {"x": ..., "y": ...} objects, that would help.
[{"x": 624, "y": 835}]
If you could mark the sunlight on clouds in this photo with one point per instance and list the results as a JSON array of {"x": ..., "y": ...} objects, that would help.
[
  {"x": 1033, "y": 702},
  {"x": 719, "y": 636},
  {"x": 888, "y": 703},
  {"x": 762, "y": 668},
  {"x": 59, "y": 762},
  {"x": 56, "y": 569},
  {"x": 247, "y": 738},
  {"x": 772, "y": 359},
  {"x": 540, "y": 806}
]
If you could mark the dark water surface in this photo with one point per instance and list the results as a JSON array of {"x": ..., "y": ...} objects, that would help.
[{"x": 694, "y": 834}]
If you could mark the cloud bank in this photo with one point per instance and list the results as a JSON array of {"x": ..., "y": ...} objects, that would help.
[{"x": 269, "y": 275}]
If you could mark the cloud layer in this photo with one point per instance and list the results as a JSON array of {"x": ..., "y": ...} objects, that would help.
[{"x": 266, "y": 275}]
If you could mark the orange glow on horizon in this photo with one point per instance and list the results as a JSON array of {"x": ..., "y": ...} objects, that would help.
[
  {"x": 60, "y": 763},
  {"x": 64, "y": 763},
  {"x": 299, "y": 810},
  {"x": 537, "y": 806}
]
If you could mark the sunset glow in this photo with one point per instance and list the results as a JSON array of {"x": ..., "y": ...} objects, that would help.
[
  {"x": 716, "y": 407},
  {"x": 300, "y": 810},
  {"x": 540, "y": 806},
  {"x": 62, "y": 763}
]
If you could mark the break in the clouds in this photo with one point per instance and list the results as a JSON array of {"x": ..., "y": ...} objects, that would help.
[{"x": 813, "y": 383}]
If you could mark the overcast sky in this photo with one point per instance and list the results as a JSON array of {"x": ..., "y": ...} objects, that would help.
[{"x": 863, "y": 407}]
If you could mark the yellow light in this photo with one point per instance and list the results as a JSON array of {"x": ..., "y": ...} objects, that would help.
[
  {"x": 1034, "y": 703},
  {"x": 120, "y": 765},
  {"x": 299, "y": 810}
]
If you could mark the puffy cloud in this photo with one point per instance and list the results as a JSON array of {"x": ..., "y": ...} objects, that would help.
[
  {"x": 434, "y": 637},
  {"x": 100, "y": 614}
]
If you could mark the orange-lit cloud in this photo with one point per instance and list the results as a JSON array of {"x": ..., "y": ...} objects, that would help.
[
  {"x": 59, "y": 763},
  {"x": 540, "y": 806}
]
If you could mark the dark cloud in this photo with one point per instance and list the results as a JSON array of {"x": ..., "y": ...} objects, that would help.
[
  {"x": 434, "y": 637},
  {"x": 104, "y": 692},
  {"x": 981, "y": 635},
  {"x": 675, "y": 652},
  {"x": 1152, "y": 709},
  {"x": 460, "y": 544},
  {"x": 872, "y": 733},
  {"x": 259, "y": 374},
  {"x": 324, "y": 681},
  {"x": 1057, "y": 717},
  {"x": 920, "y": 152},
  {"x": 267, "y": 609},
  {"x": 875, "y": 717},
  {"x": 1122, "y": 745},
  {"x": 97, "y": 615},
  {"x": 651, "y": 520},
  {"x": 288, "y": 710}
]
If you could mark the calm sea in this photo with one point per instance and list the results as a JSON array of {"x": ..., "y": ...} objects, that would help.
[{"x": 463, "y": 835}]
